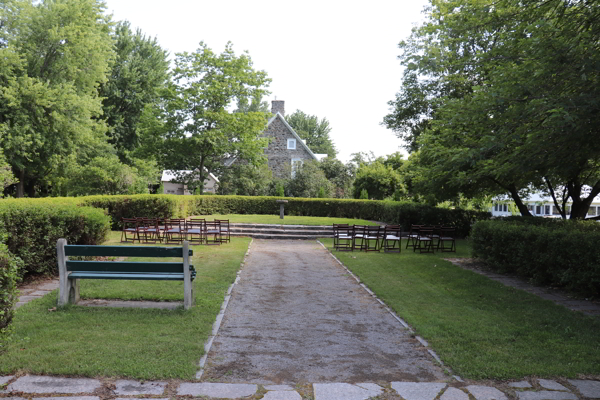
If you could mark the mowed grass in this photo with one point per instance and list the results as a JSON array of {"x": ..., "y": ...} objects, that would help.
[
  {"x": 480, "y": 328},
  {"x": 125, "y": 342},
  {"x": 287, "y": 220}
]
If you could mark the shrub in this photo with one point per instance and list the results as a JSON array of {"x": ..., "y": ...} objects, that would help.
[
  {"x": 9, "y": 277},
  {"x": 550, "y": 252},
  {"x": 33, "y": 227}
]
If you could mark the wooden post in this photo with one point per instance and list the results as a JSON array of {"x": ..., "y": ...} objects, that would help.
[
  {"x": 188, "y": 294},
  {"x": 63, "y": 285}
]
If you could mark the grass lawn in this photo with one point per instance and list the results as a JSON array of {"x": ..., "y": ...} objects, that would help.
[
  {"x": 288, "y": 220},
  {"x": 136, "y": 343},
  {"x": 480, "y": 328}
]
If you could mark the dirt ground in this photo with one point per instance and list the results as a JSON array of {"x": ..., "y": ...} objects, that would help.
[{"x": 297, "y": 316}]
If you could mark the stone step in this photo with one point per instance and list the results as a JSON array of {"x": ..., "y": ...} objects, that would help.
[
  {"x": 283, "y": 227},
  {"x": 288, "y": 231},
  {"x": 279, "y": 231},
  {"x": 281, "y": 236}
]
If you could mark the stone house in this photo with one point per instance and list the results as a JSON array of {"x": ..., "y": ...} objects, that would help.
[
  {"x": 285, "y": 148},
  {"x": 170, "y": 187}
]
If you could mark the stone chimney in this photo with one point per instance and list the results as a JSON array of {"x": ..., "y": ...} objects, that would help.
[{"x": 277, "y": 106}]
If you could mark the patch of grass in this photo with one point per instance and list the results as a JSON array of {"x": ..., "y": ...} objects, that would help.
[
  {"x": 120, "y": 342},
  {"x": 480, "y": 328},
  {"x": 288, "y": 220}
]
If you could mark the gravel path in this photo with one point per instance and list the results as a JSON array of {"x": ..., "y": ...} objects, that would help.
[{"x": 297, "y": 316}]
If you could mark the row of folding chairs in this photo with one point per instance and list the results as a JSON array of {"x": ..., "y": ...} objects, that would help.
[
  {"x": 175, "y": 230},
  {"x": 428, "y": 239},
  {"x": 367, "y": 238}
]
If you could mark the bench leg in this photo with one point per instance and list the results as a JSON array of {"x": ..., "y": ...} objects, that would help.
[{"x": 188, "y": 292}]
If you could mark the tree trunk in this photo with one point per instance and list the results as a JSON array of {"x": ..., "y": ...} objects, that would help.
[
  {"x": 580, "y": 205},
  {"x": 514, "y": 193},
  {"x": 21, "y": 183}
]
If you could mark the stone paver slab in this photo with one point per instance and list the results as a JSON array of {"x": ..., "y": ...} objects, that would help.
[
  {"x": 49, "y": 384},
  {"x": 418, "y": 390},
  {"x": 5, "y": 379},
  {"x": 551, "y": 385},
  {"x": 278, "y": 387},
  {"x": 13, "y": 398},
  {"x": 135, "y": 388},
  {"x": 68, "y": 398},
  {"x": 520, "y": 384},
  {"x": 589, "y": 389},
  {"x": 346, "y": 391},
  {"x": 218, "y": 390},
  {"x": 486, "y": 393},
  {"x": 282, "y": 395},
  {"x": 546, "y": 395},
  {"x": 454, "y": 394}
]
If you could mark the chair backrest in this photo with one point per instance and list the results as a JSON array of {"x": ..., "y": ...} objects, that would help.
[
  {"x": 359, "y": 230},
  {"x": 175, "y": 224},
  {"x": 223, "y": 223},
  {"x": 373, "y": 231},
  {"x": 425, "y": 231},
  {"x": 448, "y": 231},
  {"x": 195, "y": 223},
  {"x": 212, "y": 226},
  {"x": 129, "y": 223},
  {"x": 338, "y": 227},
  {"x": 392, "y": 230}
]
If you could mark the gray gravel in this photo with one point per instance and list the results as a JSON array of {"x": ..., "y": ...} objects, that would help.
[{"x": 297, "y": 316}]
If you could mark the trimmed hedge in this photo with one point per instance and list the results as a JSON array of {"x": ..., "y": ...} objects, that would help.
[
  {"x": 9, "y": 267},
  {"x": 548, "y": 251},
  {"x": 34, "y": 226},
  {"x": 173, "y": 206}
]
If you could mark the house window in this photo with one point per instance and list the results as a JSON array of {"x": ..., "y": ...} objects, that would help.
[
  {"x": 505, "y": 207},
  {"x": 538, "y": 210},
  {"x": 496, "y": 207},
  {"x": 592, "y": 211},
  {"x": 547, "y": 210},
  {"x": 555, "y": 211},
  {"x": 530, "y": 208},
  {"x": 296, "y": 164},
  {"x": 291, "y": 144}
]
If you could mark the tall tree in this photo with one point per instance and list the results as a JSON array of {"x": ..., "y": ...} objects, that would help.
[
  {"x": 54, "y": 56},
  {"x": 314, "y": 131},
  {"x": 502, "y": 97},
  {"x": 137, "y": 77},
  {"x": 202, "y": 133}
]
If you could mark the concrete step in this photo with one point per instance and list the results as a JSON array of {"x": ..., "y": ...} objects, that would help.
[{"x": 283, "y": 232}]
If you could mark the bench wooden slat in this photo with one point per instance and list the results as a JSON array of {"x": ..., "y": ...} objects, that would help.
[
  {"x": 125, "y": 275},
  {"x": 126, "y": 266},
  {"x": 124, "y": 251}
]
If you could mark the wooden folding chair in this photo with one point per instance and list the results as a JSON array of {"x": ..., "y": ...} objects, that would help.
[
  {"x": 358, "y": 237},
  {"x": 148, "y": 230},
  {"x": 195, "y": 230},
  {"x": 424, "y": 241},
  {"x": 212, "y": 232},
  {"x": 371, "y": 238},
  {"x": 174, "y": 232},
  {"x": 447, "y": 236},
  {"x": 413, "y": 236},
  {"x": 224, "y": 230},
  {"x": 342, "y": 237},
  {"x": 392, "y": 235},
  {"x": 130, "y": 232}
]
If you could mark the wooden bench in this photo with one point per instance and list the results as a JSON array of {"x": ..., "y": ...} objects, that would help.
[{"x": 70, "y": 272}]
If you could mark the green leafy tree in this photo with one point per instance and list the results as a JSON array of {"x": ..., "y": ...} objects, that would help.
[
  {"x": 501, "y": 99},
  {"x": 340, "y": 175},
  {"x": 309, "y": 181},
  {"x": 314, "y": 131},
  {"x": 379, "y": 180},
  {"x": 137, "y": 77},
  {"x": 53, "y": 57},
  {"x": 202, "y": 133},
  {"x": 246, "y": 180}
]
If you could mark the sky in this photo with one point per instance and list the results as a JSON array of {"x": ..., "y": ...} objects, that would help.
[{"x": 333, "y": 59}]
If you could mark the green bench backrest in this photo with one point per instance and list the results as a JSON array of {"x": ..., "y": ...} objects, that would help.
[{"x": 124, "y": 251}]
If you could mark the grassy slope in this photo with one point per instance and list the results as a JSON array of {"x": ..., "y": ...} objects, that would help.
[
  {"x": 480, "y": 328},
  {"x": 135, "y": 343}
]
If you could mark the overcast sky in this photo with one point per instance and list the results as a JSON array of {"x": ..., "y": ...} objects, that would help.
[{"x": 332, "y": 59}]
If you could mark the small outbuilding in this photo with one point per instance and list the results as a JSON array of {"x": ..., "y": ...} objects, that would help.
[{"x": 171, "y": 187}]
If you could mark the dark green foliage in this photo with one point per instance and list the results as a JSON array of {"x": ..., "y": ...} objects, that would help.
[
  {"x": 279, "y": 189},
  {"x": 550, "y": 252},
  {"x": 33, "y": 227},
  {"x": 9, "y": 267},
  {"x": 364, "y": 195}
]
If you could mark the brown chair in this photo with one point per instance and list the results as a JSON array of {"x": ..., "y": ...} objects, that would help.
[
  {"x": 212, "y": 232},
  {"x": 342, "y": 237},
  {"x": 130, "y": 232},
  {"x": 358, "y": 237},
  {"x": 224, "y": 230},
  {"x": 195, "y": 231},
  {"x": 174, "y": 232},
  {"x": 413, "y": 236},
  {"x": 424, "y": 241},
  {"x": 371, "y": 239},
  {"x": 447, "y": 236},
  {"x": 149, "y": 231},
  {"x": 392, "y": 235}
]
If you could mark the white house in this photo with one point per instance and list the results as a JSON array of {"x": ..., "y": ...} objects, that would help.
[
  {"x": 538, "y": 205},
  {"x": 170, "y": 187}
]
